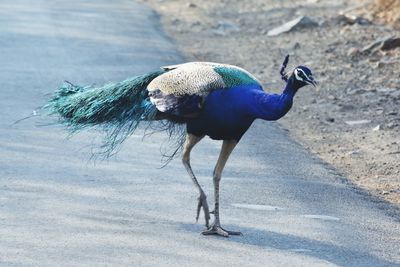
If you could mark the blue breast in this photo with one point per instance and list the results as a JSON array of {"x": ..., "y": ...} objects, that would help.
[{"x": 225, "y": 114}]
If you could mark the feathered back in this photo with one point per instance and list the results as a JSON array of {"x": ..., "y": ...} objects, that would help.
[
  {"x": 116, "y": 108},
  {"x": 199, "y": 78}
]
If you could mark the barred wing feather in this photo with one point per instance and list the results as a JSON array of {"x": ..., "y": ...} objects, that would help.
[
  {"x": 200, "y": 78},
  {"x": 187, "y": 84}
]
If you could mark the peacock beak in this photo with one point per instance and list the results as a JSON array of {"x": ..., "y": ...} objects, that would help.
[
  {"x": 315, "y": 84},
  {"x": 312, "y": 82}
]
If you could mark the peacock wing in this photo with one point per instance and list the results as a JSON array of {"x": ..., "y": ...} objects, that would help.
[
  {"x": 183, "y": 87},
  {"x": 187, "y": 79}
]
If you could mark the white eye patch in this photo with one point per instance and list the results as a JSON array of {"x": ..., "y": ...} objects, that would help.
[
  {"x": 296, "y": 74},
  {"x": 301, "y": 75}
]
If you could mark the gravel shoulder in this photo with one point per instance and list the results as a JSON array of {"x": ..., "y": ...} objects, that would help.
[{"x": 352, "y": 121}]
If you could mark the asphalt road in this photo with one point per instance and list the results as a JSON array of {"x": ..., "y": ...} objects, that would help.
[{"x": 57, "y": 208}]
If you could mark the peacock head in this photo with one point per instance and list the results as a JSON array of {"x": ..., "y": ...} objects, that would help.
[{"x": 301, "y": 75}]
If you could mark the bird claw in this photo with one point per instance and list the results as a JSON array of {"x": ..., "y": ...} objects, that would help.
[
  {"x": 203, "y": 203},
  {"x": 218, "y": 230}
]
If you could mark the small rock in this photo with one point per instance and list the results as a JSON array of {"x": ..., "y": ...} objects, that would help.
[
  {"x": 354, "y": 152},
  {"x": 241, "y": 21},
  {"x": 339, "y": 20},
  {"x": 330, "y": 49},
  {"x": 372, "y": 46},
  {"x": 390, "y": 43},
  {"x": 217, "y": 32},
  {"x": 384, "y": 44},
  {"x": 378, "y": 65},
  {"x": 299, "y": 23},
  {"x": 175, "y": 21},
  {"x": 346, "y": 107},
  {"x": 385, "y": 90},
  {"x": 376, "y": 128},
  {"x": 373, "y": 57},
  {"x": 331, "y": 120},
  {"x": 359, "y": 20},
  {"x": 395, "y": 93},
  {"x": 191, "y": 5},
  {"x": 227, "y": 26},
  {"x": 357, "y": 91},
  {"x": 357, "y": 122},
  {"x": 196, "y": 24},
  {"x": 352, "y": 52},
  {"x": 344, "y": 19}
]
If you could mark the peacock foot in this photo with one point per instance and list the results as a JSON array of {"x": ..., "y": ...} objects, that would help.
[
  {"x": 203, "y": 204},
  {"x": 216, "y": 229}
]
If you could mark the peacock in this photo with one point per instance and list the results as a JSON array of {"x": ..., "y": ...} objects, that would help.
[{"x": 211, "y": 99}]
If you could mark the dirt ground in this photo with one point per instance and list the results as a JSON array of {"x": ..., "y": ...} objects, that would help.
[
  {"x": 387, "y": 11},
  {"x": 353, "y": 120}
]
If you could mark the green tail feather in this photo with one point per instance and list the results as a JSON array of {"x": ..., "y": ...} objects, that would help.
[{"x": 117, "y": 108}]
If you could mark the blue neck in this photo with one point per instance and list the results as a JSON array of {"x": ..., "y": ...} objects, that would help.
[
  {"x": 273, "y": 106},
  {"x": 290, "y": 89}
]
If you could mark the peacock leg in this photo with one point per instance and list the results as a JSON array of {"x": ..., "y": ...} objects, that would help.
[
  {"x": 191, "y": 141},
  {"x": 215, "y": 228}
]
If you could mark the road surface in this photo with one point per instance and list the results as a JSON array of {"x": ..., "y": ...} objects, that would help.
[{"x": 58, "y": 208}]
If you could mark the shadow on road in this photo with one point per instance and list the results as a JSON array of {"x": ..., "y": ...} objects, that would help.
[{"x": 342, "y": 256}]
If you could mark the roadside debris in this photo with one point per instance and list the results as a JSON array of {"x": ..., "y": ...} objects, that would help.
[
  {"x": 352, "y": 52},
  {"x": 376, "y": 128},
  {"x": 384, "y": 44},
  {"x": 344, "y": 19},
  {"x": 357, "y": 122},
  {"x": 228, "y": 26},
  {"x": 299, "y": 23},
  {"x": 225, "y": 27}
]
